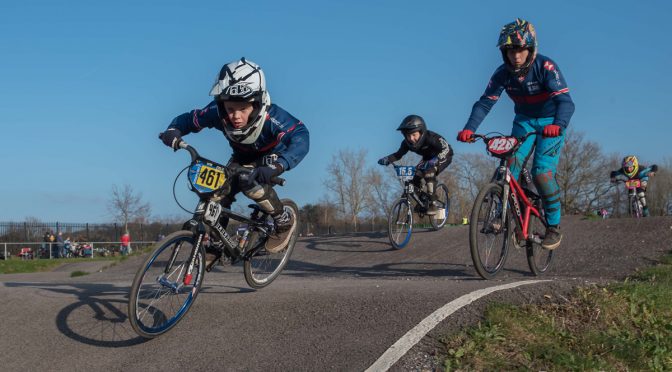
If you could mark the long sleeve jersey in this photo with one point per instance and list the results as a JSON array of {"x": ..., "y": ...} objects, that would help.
[
  {"x": 643, "y": 173},
  {"x": 434, "y": 146},
  {"x": 542, "y": 93},
  {"x": 282, "y": 134}
]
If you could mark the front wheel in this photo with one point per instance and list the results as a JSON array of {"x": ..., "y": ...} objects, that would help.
[
  {"x": 489, "y": 231},
  {"x": 538, "y": 258},
  {"x": 635, "y": 207},
  {"x": 400, "y": 223},
  {"x": 443, "y": 205},
  {"x": 264, "y": 267},
  {"x": 162, "y": 292}
]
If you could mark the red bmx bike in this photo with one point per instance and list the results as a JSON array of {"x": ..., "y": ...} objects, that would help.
[{"x": 505, "y": 212}]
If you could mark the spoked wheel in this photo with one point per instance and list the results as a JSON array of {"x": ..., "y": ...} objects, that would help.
[
  {"x": 489, "y": 232},
  {"x": 263, "y": 267},
  {"x": 400, "y": 223},
  {"x": 443, "y": 204},
  {"x": 162, "y": 293},
  {"x": 635, "y": 208},
  {"x": 538, "y": 258}
]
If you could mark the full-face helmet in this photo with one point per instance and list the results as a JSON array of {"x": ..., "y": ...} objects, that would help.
[
  {"x": 410, "y": 124},
  {"x": 242, "y": 81}
]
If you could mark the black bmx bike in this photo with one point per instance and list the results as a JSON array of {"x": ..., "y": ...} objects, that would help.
[
  {"x": 414, "y": 200},
  {"x": 168, "y": 282}
]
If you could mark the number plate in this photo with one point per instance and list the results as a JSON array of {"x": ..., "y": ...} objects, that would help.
[
  {"x": 502, "y": 145},
  {"x": 206, "y": 177},
  {"x": 633, "y": 184},
  {"x": 405, "y": 171}
]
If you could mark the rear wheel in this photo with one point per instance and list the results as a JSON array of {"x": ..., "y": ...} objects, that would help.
[
  {"x": 443, "y": 205},
  {"x": 538, "y": 258},
  {"x": 400, "y": 223},
  {"x": 161, "y": 293},
  {"x": 263, "y": 267},
  {"x": 489, "y": 232}
]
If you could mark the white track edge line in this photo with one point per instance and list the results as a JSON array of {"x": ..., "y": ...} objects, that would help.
[{"x": 412, "y": 337}]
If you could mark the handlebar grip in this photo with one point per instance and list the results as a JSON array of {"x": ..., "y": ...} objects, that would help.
[{"x": 278, "y": 181}]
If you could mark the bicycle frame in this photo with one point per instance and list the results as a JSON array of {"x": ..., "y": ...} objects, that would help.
[
  {"x": 409, "y": 189},
  {"x": 513, "y": 192},
  {"x": 206, "y": 220}
]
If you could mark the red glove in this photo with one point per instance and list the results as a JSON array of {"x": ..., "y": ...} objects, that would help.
[
  {"x": 552, "y": 130},
  {"x": 465, "y": 135}
]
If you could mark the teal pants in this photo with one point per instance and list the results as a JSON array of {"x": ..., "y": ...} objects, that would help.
[{"x": 544, "y": 164}]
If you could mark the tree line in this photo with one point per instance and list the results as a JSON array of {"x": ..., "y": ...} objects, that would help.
[{"x": 358, "y": 195}]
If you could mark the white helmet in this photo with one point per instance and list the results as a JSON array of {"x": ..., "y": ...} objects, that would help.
[{"x": 242, "y": 81}]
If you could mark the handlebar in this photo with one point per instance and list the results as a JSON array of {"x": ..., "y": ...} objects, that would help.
[
  {"x": 238, "y": 170},
  {"x": 474, "y": 137}
]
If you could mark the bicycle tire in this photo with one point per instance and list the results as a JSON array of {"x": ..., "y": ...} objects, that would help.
[
  {"x": 148, "y": 313},
  {"x": 264, "y": 267},
  {"x": 443, "y": 198},
  {"x": 538, "y": 258},
  {"x": 635, "y": 208},
  {"x": 400, "y": 223},
  {"x": 489, "y": 256}
]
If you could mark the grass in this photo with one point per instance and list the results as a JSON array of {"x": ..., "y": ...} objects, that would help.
[
  {"x": 625, "y": 326},
  {"x": 16, "y": 266},
  {"x": 78, "y": 273}
]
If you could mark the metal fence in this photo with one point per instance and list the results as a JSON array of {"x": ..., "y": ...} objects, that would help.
[
  {"x": 30, "y": 250},
  {"x": 111, "y": 232}
]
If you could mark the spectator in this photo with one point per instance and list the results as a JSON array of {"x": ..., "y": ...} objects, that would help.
[
  {"x": 52, "y": 246},
  {"x": 67, "y": 248},
  {"x": 125, "y": 244},
  {"x": 60, "y": 245},
  {"x": 45, "y": 245}
]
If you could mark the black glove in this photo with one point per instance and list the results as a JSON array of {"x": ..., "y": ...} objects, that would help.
[
  {"x": 384, "y": 161},
  {"x": 264, "y": 174},
  {"x": 427, "y": 164},
  {"x": 171, "y": 138}
]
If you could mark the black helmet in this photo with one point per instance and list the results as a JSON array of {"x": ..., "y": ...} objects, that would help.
[{"x": 413, "y": 123}]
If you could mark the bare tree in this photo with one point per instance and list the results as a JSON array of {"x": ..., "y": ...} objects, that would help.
[
  {"x": 348, "y": 184},
  {"x": 659, "y": 190},
  {"x": 583, "y": 174},
  {"x": 125, "y": 205}
]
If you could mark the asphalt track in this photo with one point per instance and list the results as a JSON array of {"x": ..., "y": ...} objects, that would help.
[{"x": 340, "y": 305}]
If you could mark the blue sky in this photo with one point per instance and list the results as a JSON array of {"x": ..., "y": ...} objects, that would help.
[{"x": 86, "y": 86}]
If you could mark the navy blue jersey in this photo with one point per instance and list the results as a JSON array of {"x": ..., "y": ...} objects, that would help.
[
  {"x": 541, "y": 93},
  {"x": 282, "y": 134}
]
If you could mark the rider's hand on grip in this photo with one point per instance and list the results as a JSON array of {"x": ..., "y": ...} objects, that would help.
[
  {"x": 384, "y": 161},
  {"x": 465, "y": 135},
  {"x": 171, "y": 138},
  {"x": 266, "y": 173},
  {"x": 552, "y": 130},
  {"x": 425, "y": 165}
]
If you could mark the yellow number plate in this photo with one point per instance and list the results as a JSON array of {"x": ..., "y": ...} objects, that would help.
[{"x": 210, "y": 178}]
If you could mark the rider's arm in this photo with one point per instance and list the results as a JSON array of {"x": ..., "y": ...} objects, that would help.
[
  {"x": 444, "y": 153},
  {"x": 195, "y": 120},
  {"x": 482, "y": 107},
  {"x": 403, "y": 149},
  {"x": 648, "y": 170},
  {"x": 559, "y": 92},
  {"x": 292, "y": 133}
]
